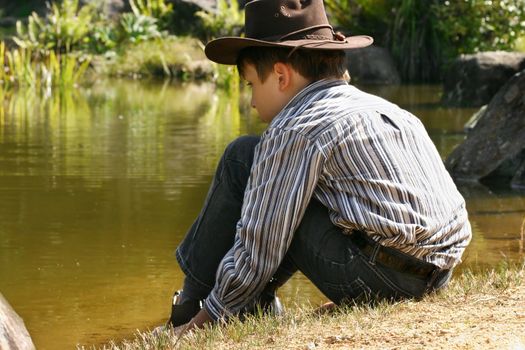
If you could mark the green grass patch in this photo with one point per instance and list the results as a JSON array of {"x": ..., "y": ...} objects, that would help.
[{"x": 177, "y": 57}]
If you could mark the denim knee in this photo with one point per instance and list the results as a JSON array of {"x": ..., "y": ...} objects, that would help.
[{"x": 242, "y": 149}]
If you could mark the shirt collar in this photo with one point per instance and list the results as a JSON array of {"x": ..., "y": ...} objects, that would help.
[{"x": 310, "y": 88}]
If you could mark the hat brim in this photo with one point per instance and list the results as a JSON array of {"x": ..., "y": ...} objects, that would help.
[{"x": 226, "y": 50}]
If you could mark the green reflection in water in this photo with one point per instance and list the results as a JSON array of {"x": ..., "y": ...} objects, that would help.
[{"x": 98, "y": 186}]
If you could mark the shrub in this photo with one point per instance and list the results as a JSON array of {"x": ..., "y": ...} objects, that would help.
[
  {"x": 172, "y": 56},
  {"x": 478, "y": 25}
]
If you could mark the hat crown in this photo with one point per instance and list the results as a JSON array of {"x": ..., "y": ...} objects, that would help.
[{"x": 275, "y": 19}]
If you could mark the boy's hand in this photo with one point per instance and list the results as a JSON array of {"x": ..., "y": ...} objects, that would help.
[
  {"x": 198, "y": 321},
  {"x": 326, "y": 308}
]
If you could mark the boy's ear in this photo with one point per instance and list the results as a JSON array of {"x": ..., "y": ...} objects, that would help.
[{"x": 284, "y": 75}]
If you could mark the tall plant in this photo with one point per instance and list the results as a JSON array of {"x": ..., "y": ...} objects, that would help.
[
  {"x": 416, "y": 42},
  {"x": 19, "y": 67}
]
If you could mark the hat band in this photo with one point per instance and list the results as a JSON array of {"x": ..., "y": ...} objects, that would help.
[{"x": 312, "y": 35}]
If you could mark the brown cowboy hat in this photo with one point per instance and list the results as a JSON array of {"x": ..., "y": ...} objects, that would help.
[{"x": 284, "y": 23}]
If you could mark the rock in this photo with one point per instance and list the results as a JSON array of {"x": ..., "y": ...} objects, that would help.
[
  {"x": 207, "y": 5},
  {"x": 18, "y": 9},
  {"x": 113, "y": 8},
  {"x": 518, "y": 181},
  {"x": 13, "y": 333},
  {"x": 494, "y": 150},
  {"x": 372, "y": 65},
  {"x": 7, "y": 22},
  {"x": 473, "y": 80}
]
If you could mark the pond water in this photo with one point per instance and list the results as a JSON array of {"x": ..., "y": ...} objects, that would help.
[{"x": 98, "y": 186}]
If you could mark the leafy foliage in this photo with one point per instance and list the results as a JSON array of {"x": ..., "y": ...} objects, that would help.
[
  {"x": 138, "y": 28},
  {"x": 480, "y": 25},
  {"x": 157, "y": 9},
  {"x": 373, "y": 17},
  {"x": 66, "y": 28},
  {"x": 226, "y": 21},
  {"x": 423, "y": 36}
]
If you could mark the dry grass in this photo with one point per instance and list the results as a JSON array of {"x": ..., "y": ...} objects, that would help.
[{"x": 482, "y": 311}]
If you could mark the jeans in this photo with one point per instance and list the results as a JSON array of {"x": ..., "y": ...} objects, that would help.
[{"x": 319, "y": 249}]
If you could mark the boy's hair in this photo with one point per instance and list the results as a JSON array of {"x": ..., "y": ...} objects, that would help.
[{"x": 311, "y": 64}]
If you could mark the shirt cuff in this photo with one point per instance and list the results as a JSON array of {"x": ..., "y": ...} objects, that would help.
[{"x": 215, "y": 308}]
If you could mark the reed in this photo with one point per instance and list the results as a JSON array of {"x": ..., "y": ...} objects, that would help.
[
  {"x": 415, "y": 41},
  {"x": 24, "y": 67}
]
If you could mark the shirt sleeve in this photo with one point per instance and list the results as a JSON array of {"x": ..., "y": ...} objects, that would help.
[{"x": 286, "y": 168}]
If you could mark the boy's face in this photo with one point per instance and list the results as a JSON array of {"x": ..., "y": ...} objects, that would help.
[{"x": 268, "y": 97}]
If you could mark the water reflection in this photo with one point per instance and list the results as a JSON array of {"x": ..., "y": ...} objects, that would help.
[{"x": 98, "y": 186}]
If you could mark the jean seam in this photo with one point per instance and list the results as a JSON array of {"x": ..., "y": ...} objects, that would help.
[{"x": 356, "y": 284}]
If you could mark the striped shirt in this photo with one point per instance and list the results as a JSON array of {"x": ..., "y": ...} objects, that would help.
[{"x": 371, "y": 163}]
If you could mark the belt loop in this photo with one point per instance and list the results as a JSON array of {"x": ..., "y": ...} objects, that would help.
[{"x": 373, "y": 256}]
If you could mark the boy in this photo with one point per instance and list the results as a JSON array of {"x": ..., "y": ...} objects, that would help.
[{"x": 343, "y": 186}]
